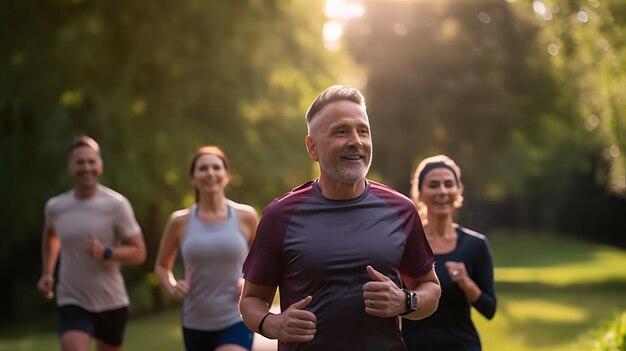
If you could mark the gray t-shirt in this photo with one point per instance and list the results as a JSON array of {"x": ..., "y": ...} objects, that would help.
[
  {"x": 310, "y": 245},
  {"x": 213, "y": 254},
  {"x": 94, "y": 285}
]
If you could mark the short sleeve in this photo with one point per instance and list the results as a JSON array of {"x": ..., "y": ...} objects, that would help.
[
  {"x": 48, "y": 215},
  {"x": 418, "y": 258},
  {"x": 264, "y": 264},
  {"x": 125, "y": 222}
]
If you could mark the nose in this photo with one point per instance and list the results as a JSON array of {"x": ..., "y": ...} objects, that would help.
[
  {"x": 84, "y": 166},
  {"x": 355, "y": 138}
]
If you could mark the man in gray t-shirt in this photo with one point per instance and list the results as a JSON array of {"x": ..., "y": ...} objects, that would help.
[
  {"x": 94, "y": 230},
  {"x": 337, "y": 247}
]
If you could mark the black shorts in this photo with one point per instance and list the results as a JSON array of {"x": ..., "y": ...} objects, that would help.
[
  {"x": 200, "y": 340},
  {"x": 106, "y": 326}
]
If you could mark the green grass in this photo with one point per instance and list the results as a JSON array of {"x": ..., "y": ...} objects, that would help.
[
  {"x": 551, "y": 291},
  {"x": 608, "y": 337},
  {"x": 154, "y": 332}
]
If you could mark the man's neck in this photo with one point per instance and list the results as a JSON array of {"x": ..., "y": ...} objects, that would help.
[
  {"x": 336, "y": 190},
  {"x": 85, "y": 192}
]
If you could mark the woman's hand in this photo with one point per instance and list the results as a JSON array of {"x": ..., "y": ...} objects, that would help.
[
  {"x": 180, "y": 289},
  {"x": 456, "y": 271}
]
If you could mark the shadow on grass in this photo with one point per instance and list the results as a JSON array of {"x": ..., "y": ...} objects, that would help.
[
  {"x": 606, "y": 287},
  {"x": 543, "y": 315},
  {"x": 159, "y": 331},
  {"x": 532, "y": 250}
]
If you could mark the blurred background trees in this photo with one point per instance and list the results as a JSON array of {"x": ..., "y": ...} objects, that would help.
[
  {"x": 526, "y": 95},
  {"x": 151, "y": 82}
]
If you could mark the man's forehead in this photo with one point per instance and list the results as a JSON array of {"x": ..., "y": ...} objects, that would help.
[
  {"x": 84, "y": 151},
  {"x": 335, "y": 111}
]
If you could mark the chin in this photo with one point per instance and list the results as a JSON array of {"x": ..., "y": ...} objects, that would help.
[
  {"x": 352, "y": 178},
  {"x": 440, "y": 212}
]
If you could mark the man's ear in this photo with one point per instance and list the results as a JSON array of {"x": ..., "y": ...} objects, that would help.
[{"x": 310, "y": 147}]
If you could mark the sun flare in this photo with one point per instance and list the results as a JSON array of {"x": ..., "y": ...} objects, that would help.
[{"x": 338, "y": 12}]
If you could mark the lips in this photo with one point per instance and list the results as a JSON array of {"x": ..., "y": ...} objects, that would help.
[
  {"x": 210, "y": 182},
  {"x": 442, "y": 202},
  {"x": 352, "y": 154},
  {"x": 87, "y": 175}
]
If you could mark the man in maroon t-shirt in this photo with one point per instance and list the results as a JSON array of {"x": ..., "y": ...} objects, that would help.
[{"x": 339, "y": 246}]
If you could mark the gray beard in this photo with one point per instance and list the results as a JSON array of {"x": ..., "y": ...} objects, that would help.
[{"x": 344, "y": 174}]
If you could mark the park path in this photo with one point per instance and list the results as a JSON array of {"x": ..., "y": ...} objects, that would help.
[{"x": 263, "y": 344}]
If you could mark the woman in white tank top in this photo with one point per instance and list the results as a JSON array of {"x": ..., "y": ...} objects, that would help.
[{"x": 213, "y": 237}]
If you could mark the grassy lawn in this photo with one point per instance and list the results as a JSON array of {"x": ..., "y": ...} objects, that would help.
[
  {"x": 550, "y": 291},
  {"x": 155, "y": 332}
]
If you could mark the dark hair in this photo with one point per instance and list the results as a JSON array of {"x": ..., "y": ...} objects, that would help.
[
  {"x": 81, "y": 141},
  {"x": 208, "y": 150},
  {"x": 332, "y": 94},
  {"x": 429, "y": 167}
]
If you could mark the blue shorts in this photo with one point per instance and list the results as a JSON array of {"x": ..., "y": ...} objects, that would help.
[
  {"x": 202, "y": 340},
  {"x": 106, "y": 326}
]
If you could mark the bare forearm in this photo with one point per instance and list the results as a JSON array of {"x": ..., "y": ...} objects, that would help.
[
  {"x": 166, "y": 277},
  {"x": 253, "y": 309},
  {"x": 428, "y": 294},
  {"x": 131, "y": 252},
  {"x": 50, "y": 248},
  {"x": 129, "y": 255}
]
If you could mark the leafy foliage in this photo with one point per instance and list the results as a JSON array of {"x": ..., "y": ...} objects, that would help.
[
  {"x": 526, "y": 95},
  {"x": 525, "y": 104},
  {"x": 443, "y": 81},
  {"x": 151, "y": 82},
  {"x": 610, "y": 337}
]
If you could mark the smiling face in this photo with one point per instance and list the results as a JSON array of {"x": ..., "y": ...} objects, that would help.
[
  {"x": 341, "y": 142},
  {"x": 84, "y": 164},
  {"x": 209, "y": 174},
  {"x": 439, "y": 192}
]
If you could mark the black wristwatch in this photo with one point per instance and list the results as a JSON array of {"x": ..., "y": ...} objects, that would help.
[
  {"x": 411, "y": 301},
  {"x": 107, "y": 253}
]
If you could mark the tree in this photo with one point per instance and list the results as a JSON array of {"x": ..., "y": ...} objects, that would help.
[
  {"x": 457, "y": 77},
  {"x": 524, "y": 95},
  {"x": 150, "y": 82}
]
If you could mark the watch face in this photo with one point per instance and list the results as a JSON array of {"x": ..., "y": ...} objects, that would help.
[{"x": 413, "y": 300}]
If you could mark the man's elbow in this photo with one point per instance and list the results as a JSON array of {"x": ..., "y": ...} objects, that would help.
[
  {"x": 141, "y": 256},
  {"x": 434, "y": 293},
  {"x": 436, "y": 297}
]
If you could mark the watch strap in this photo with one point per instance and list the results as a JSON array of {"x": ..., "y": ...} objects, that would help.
[
  {"x": 410, "y": 301},
  {"x": 107, "y": 254}
]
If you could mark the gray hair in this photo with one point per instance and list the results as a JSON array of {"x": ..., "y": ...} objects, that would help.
[{"x": 332, "y": 94}]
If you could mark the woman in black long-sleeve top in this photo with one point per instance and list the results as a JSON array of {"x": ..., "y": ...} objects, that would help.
[{"x": 463, "y": 263}]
